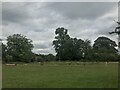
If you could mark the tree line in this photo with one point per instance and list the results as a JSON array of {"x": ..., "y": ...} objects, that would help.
[
  {"x": 67, "y": 48},
  {"x": 19, "y": 49}
]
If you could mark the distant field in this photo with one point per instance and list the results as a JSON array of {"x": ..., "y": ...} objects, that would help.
[{"x": 62, "y": 75}]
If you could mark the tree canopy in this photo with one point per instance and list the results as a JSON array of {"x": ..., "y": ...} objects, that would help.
[
  {"x": 68, "y": 48},
  {"x": 19, "y": 48},
  {"x": 105, "y": 45},
  {"x": 105, "y": 49},
  {"x": 59, "y": 43}
]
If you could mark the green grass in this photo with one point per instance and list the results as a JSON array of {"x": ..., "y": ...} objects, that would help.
[
  {"x": 0, "y": 74},
  {"x": 61, "y": 76}
]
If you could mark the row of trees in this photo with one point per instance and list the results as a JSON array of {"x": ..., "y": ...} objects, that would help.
[
  {"x": 68, "y": 48},
  {"x": 19, "y": 49}
]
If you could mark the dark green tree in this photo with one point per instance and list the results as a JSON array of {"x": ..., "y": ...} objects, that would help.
[
  {"x": 59, "y": 42},
  {"x": 104, "y": 49},
  {"x": 68, "y": 48},
  {"x": 50, "y": 57},
  {"x": 105, "y": 45},
  {"x": 78, "y": 49},
  {"x": 19, "y": 47},
  {"x": 87, "y": 49},
  {"x": 4, "y": 52}
]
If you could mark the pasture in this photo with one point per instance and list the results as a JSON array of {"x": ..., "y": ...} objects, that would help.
[
  {"x": 0, "y": 74},
  {"x": 61, "y": 75}
]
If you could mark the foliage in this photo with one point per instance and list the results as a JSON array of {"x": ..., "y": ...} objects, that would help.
[
  {"x": 68, "y": 48},
  {"x": 104, "y": 45},
  {"x": 59, "y": 44},
  {"x": 4, "y": 52},
  {"x": 50, "y": 57},
  {"x": 9, "y": 58},
  {"x": 19, "y": 47},
  {"x": 104, "y": 49},
  {"x": 42, "y": 57}
]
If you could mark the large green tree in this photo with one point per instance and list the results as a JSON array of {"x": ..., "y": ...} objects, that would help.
[
  {"x": 19, "y": 48},
  {"x": 105, "y": 45},
  {"x": 68, "y": 48},
  {"x": 104, "y": 49},
  {"x": 59, "y": 42},
  {"x": 78, "y": 49}
]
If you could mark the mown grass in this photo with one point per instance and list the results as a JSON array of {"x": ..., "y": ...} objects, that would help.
[
  {"x": 61, "y": 76},
  {"x": 0, "y": 74}
]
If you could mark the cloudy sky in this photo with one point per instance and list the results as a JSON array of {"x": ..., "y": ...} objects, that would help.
[{"x": 38, "y": 21}]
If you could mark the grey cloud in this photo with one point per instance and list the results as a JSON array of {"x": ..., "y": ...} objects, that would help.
[
  {"x": 39, "y": 46},
  {"x": 75, "y": 10},
  {"x": 42, "y": 45},
  {"x": 43, "y": 51},
  {"x": 20, "y": 12},
  {"x": 38, "y": 21},
  {"x": 14, "y": 12}
]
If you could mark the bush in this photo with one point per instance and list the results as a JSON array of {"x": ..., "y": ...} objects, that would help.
[
  {"x": 9, "y": 58},
  {"x": 105, "y": 57}
]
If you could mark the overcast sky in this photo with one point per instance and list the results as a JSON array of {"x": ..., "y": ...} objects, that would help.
[{"x": 38, "y": 21}]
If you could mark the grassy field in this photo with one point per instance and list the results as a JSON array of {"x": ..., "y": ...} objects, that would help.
[
  {"x": 0, "y": 74},
  {"x": 52, "y": 75}
]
